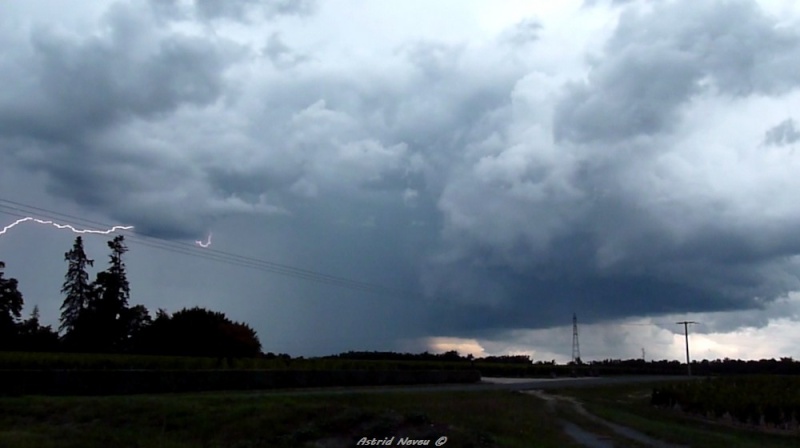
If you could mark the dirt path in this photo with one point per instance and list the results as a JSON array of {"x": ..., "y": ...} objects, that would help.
[{"x": 591, "y": 440}]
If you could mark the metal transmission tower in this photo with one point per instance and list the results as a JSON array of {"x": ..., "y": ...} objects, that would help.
[
  {"x": 686, "y": 333},
  {"x": 576, "y": 347}
]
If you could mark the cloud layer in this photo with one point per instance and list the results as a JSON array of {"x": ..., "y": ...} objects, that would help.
[{"x": 507, "y": 177}]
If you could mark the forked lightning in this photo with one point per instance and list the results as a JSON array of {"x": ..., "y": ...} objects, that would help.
[{"x": 62, "y": 226}]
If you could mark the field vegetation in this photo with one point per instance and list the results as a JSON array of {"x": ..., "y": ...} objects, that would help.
[
  {"x": 632, "y": 406},
  {"x": 467, "y": 419},
  {"x": 769, "y": 402}
]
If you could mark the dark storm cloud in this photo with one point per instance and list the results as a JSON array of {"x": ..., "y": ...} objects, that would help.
[
  {"x": 534, "y": 225},
  {"x": 785, "y": 133},
  {"x": 79, "y": 91},
  {"x": 238, "y": 9},
  {"x": 473, "y": 174},
  {"x": 550, "y": 301},
  {"x": 91, "y": 84},
  {"x": 75, "y": 86},
  {"x": 658, "y": 60}
]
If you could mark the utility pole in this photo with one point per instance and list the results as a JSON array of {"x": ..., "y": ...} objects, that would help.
[{"x": 686, "y": 334}]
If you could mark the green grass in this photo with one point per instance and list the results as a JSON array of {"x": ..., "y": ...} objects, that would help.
[
  {"x": 245, "y": 419},
  {"x": 468, "y": 419},
  {"x": 629, "y": 405}
]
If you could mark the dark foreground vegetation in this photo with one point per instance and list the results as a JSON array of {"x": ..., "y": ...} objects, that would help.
[
  {"x": 472, "y": 419},
  {"x": 631, "y": 406},
  {"x": 467, "y": 419},
  {"x": 770, "y": 402},
  {"x": 119, "y": 382}
]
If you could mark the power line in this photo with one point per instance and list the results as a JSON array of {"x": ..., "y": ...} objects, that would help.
[
  {"x": 21, "y": 210},
  {"x": 242, "y": 261}
]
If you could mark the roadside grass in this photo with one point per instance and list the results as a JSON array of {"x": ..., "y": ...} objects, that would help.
[
  {"x": 629, "y": 405},
  {"x": 468, "y": 419}
]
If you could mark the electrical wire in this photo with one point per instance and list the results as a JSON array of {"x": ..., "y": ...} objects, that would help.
[{"x": 21, "y": 210}]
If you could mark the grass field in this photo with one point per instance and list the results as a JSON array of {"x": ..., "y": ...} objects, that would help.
[
  {"x": 323, "y": 420},
  {"x": 468, "y": 419}
]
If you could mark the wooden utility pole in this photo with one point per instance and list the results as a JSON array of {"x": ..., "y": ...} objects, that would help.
[{"x": 686, "y": 334}]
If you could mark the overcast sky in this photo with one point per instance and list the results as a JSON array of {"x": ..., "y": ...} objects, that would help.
[{"x": 498, "y": 164}]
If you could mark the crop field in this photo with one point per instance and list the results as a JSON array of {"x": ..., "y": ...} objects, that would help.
[
  {"x": 632, "y": 406},
  {"x": 768, "y": 402}
]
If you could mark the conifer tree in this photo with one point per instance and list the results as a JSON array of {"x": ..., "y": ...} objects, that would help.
[
  {"x": 109, "y": 305},
  {"x": 76, "y": 286},
  {"x": 112, "y": 285}
]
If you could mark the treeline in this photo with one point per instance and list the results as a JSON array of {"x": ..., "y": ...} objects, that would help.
[
  {"x": 727, "y": 366},
  {"x": 523, "y": 365},
  {"x": 451, "y": 355},
  {"x": 96, "y": 317}
]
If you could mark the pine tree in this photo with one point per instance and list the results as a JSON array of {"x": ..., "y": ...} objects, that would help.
[
  {"x": 109, "y": 306},
  {"x": 112, "y": 285},
  {"x": 76, "y": 286}
]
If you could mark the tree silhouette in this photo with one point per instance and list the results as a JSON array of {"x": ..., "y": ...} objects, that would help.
[
  {"x": 11, "y": 302},
  {"x": 76, "y": 286},
  {"x": 135, "y": 321},
  {"x": 199, "y": 332},
  {"x": 34, "y": 337},
  {"x": 98, "y": 314},
  {"x": 109, "y": 303},
  {"x": 111, "y": 286}
]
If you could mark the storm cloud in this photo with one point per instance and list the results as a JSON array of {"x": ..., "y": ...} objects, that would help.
[{"x": 503, "y": 177}]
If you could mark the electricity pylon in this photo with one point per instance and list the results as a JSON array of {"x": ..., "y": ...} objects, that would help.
[{"x": 576, "y": 347}]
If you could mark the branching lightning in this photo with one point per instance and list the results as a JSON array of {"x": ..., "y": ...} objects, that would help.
[
  {"x": 206, "y": 243},
  {"x": 62, "y": 226}
]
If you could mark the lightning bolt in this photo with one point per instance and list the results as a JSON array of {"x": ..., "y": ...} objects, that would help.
[
  {"x": 206, "y": 244},
  {"x": 62, "y": 226}
]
